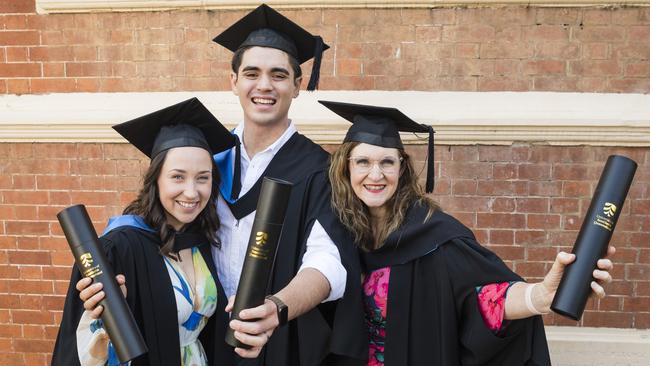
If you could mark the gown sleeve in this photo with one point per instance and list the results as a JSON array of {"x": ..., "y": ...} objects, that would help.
[
  {"x": 80, "y": 338},
  {"x": 517, "y": 342}
]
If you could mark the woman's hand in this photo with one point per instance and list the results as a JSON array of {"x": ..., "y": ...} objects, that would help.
[
  {"x": 91, "y": 294},
  {"x": 547, "y": 288}
]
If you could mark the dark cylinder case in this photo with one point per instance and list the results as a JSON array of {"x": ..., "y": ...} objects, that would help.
[
  {"x": 262, "y": 247},
  {"x": 594, "y": 236},
  {"x": 91, "y": 261}
]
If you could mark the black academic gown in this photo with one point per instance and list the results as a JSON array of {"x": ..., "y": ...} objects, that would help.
[
  {"x": 432, "y": 311},
  {"x": 135, "y": 253},
  {"x": 309, "y": 340}
]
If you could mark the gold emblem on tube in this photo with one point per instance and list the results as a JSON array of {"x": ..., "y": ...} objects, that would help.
[
  {"x": 609, "y": 209},
  {"x": 258, "y": 251},
  {"x": 87, "y": 261}
]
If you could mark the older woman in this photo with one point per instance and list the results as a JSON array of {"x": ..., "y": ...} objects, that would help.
[
  {"x": 162, "y": 246},
  {"x": 433, "y": 295}
]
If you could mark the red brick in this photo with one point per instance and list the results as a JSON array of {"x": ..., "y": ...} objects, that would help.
[
  {"x": 557, "y": 50},
  {"x": 576, "y": 189},
  {"x": 19, "y": 70},
  {"x": 597, "y": 16},
  {"x": 468, "y": 33},
  {"x": 596, "y": 51},
  {"x": 465, "y": 170},
  {"x": 31, "y": 317},
  {"x": 561, "y": 16},
  {"x": 17, "y": 86},
  {"x": 27, "y": 228},
  {"x": 25, "y": 212},
  {"x": 546, "y": 254},
  {"x": 507, "y": 252},
  {"x": 532, "y": 204},
  {"x": 502, "y": 171},
  {"x": 506, "y": 237},
  {"x": 506, "y": 50},
  {"x": 53, "y": 85},
  {"x": 490, "y": 220},
  {"x": 17, "y": 54},
  {"x": 639, "y": 272},
  {"x": 464, "y": 187},
  {"x": 607, "y": 319},
  {"x": 638, "y": 69},
  {"x": 546, "y": 33},
  {"x": 595, "y": 68},
  {"x": 13, "y": 22},
  {"x": 544, "y": 67},
  {"x": 424, "y": 34},
  {"x": 7, "y": 358},
  {"x": 534, "y": 221},
  {"x": 502, "y": 204},
  {"x": 464, "y": 153},
  {"x": 19, "y": 38},
  {"x": 29, "y": 287},
  {"x": 534, "y": 171},
  {"x": 531, "y": 270},
  {"x": 509, "y": 188},
  {"x": 24, "y": 182},
  {"x": 638, "y": 34},
  {"x": 503, "y": 154},
  {"x": 530, "y": 237},
  {"x": 25, "y": 197},
  {"x": 598, "y": 33},
  {"x": 29, "y": 257}
]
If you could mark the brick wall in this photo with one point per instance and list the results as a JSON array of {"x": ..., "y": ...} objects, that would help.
[
  {"x": 524, "y": 201},
  {"x": 514, "y": 49}
]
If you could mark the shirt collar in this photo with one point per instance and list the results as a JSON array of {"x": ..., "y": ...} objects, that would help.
[{"x": 275, "y": 146}]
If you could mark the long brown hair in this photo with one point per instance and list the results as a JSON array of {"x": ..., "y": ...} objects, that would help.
[
  {"x": 354, "y": 214},
  {"x": 148, "y": 206}
]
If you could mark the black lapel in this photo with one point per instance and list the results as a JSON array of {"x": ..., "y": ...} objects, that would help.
[{"x": 293, "y": 162}]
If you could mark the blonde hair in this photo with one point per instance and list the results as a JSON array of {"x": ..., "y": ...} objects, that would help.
[{"x": 354, "y": 214}]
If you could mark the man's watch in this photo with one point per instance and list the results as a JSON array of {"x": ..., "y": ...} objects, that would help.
[{"x": 283, "y": 309}]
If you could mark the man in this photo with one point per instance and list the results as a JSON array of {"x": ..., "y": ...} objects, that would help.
[{"x": 312, "y": 276}]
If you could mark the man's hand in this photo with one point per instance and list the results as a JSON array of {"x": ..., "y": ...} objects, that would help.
[{"x": 255, "y": 327}]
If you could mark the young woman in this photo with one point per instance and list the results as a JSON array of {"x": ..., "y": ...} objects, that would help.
[
  {"x": 433, "y": 295},
  {"x": 162, "y": 246}
]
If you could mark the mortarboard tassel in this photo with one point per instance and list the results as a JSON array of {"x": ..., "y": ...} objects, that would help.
[
  {"x": 430, "y": 163},
  {"x": 315, "y": 70}
]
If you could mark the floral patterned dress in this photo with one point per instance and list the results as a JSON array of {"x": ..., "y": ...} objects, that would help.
[
  {"x": 193, "y": 310},
  {"x": 491, "y": 301}
]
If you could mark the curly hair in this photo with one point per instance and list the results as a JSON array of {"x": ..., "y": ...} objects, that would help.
[
  {"x": 354, "y": 214},
  {"x": 147, "y": 205}
]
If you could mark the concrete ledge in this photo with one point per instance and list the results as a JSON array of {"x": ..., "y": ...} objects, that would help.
[
  {"x": 598, "y": 346},
  {"x": 81, "y": 6},
  {"x": 491, "y": 118}
]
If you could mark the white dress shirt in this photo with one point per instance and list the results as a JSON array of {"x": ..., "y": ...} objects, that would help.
[{"x": 321, "y": 253}]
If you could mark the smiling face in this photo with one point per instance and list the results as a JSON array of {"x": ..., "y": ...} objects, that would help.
[
  {"x": 372, "y": 178},
  {"x": 265, "y": 84},
  {"x": 185, "y": 184}
]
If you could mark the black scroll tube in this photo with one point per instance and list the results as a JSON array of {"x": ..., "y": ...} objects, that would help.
[
  {"x": 262, "y": 247},
  {"x": 594, "y": 236},
  {"x": 91, "y": 261}
]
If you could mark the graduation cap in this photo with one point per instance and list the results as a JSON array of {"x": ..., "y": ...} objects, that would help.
[
  {"x": 187, "y": 123},
  {"x": 380, "y": 126},
  {"x": 266, "y": 27}
]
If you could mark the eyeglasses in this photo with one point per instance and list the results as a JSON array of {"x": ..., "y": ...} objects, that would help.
[{"x": 387, "y": 165}]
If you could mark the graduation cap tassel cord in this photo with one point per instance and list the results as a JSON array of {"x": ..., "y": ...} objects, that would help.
[
  {"x": 430, "y": 162},
  {"x": 315, "y": 71}
]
